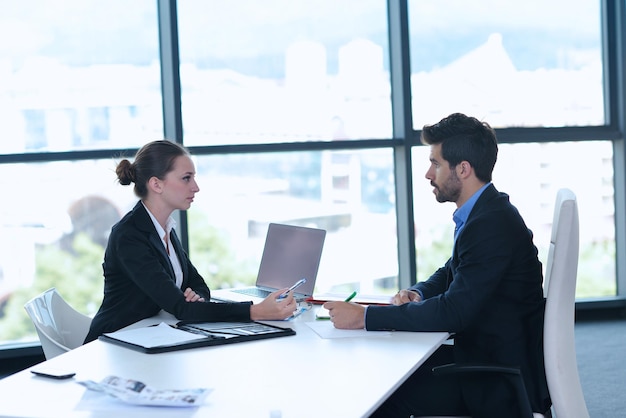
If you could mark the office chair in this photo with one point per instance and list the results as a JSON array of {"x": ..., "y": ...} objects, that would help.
[
  {"x": 560, "y": 290},
  {"x": 59, "y": 326},
  {"x": 559, "y": 343}
]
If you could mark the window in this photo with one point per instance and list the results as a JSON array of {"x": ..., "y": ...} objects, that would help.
[
  {"x": 523, "y": 64},
  {"x": 348, "y": 193},
  {"x": 81, "y": 75},
  {"x": 283, "y": 71},
  {"x": 57, "y": 225}
]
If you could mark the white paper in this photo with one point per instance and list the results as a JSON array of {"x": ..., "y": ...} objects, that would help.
[
  {"x": 322, "y": 313},
  {"x": 326, "y": 329},
  {"x": 155, "y": 336}
]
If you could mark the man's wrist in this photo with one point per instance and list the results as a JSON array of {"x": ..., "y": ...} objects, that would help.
[{"x": 365, "y": 318}]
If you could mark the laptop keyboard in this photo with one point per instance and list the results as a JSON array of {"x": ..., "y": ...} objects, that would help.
[{"x": 253, "y": 291}]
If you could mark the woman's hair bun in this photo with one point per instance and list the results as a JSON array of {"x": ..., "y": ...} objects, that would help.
[{"x": 125, "y": 172}]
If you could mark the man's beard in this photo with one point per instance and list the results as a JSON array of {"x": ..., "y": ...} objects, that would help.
[{"x": 450, "y": 190}]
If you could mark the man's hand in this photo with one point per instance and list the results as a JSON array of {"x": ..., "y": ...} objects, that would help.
[
  {"x": 405, "y": 296},
  {"x": 346, "y": 315}
]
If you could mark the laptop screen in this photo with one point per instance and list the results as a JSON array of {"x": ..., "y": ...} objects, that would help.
[{"x": 290, "y": 254}]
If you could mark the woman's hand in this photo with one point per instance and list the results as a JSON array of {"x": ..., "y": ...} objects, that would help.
[
  {"x": 192, "y": 296},
  {"x": 273, "y": 309}
]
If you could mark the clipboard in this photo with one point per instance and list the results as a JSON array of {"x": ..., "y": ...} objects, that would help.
[
  {"x": 184, "y": 335},
  {"x": 361, "y": 299}
]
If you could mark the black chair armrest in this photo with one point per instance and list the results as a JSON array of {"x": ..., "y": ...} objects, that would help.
[{"x": 475, "y": 368}]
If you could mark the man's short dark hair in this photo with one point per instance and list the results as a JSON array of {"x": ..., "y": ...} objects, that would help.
[{"x": 465, "y": 138}]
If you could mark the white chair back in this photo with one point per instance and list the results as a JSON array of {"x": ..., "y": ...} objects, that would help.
[
  {"x": 59, "y": 326},
  {"x": 560, "y": 289}
]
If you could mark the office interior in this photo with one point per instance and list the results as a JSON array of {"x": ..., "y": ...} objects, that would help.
[{"x": 338, "y": 97}]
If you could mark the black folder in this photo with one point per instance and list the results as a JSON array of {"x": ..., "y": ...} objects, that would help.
[{"x": 192, "y": 334}]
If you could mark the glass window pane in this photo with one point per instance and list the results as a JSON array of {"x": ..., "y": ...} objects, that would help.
[
  {"x": 532, "y": 174},
  {"x": 530, "y": 63},
  {"x": 348, "y": 193},
  {"x": 79, "y": 74},
  {"x": 283, "y": 70},
  {"x": 58, "y": 233}
]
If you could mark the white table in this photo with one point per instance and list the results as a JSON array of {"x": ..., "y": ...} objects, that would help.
[{"x": 297, "y": 376}]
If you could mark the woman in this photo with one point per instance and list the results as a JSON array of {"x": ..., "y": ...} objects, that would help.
[{"x": 145, "y": 267}]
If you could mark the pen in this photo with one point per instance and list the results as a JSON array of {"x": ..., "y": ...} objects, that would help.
[
  {"x": 296, "y": 284},
  {"x": 349, "y": 298}
]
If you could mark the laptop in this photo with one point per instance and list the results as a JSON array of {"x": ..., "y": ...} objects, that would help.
[{"x": 290, "y": 253}]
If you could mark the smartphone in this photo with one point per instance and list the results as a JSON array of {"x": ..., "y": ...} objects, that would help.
[
  {"x": 293, "y": 287},
  {"x": 53, "y": 373}
]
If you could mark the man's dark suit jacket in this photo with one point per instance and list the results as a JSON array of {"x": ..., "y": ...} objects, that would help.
[
  {"x": 139, "y": 280},
  {"x": 490, "y": 294}
]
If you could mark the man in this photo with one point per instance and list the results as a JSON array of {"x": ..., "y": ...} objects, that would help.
[{"x": 489, "y": 293}]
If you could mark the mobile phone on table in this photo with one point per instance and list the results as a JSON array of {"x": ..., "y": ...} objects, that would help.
[{"x": 52, "y": 373}]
